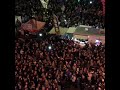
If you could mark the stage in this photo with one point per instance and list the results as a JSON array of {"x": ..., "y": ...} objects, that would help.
[{"x": 82, "y": 32}]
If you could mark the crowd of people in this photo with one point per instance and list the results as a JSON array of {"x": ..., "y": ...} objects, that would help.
[
  {"x": 73, "y": 11},
  {"x": 52, "y": 63},
  {"x": 83, "y": 12},
  {"x": 28, "y": 8},
  {"x": 64, "y": 65}
]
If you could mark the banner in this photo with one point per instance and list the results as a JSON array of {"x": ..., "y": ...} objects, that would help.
[{"x": 33, "y": 25}]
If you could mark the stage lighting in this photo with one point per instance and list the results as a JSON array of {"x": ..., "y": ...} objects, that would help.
[
  {"x": 90, "y": 2},
  {"x": 40, "y": 34},
  {"x": 49, "y": 47}
]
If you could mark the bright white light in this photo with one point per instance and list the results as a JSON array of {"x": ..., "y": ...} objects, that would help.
[
  {"x": 90, "y": 2},
  {"x": 97, "y": 41},
  {"x": 40, "y": 34},
  {"x": 75, "y": 39},
  {"x": 82, "y": 43},
  {"x": 49, "y": 47},
  {"x": 65, "y": 20},
  {"x": 86, "y": 41}
]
